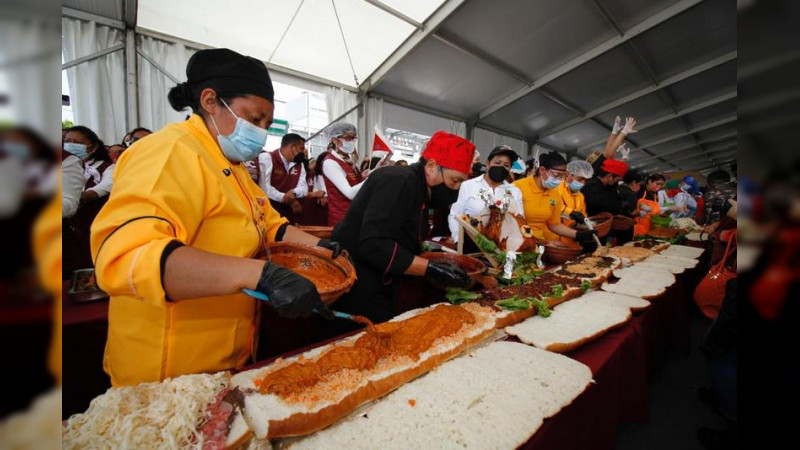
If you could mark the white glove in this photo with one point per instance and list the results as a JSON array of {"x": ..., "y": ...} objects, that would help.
[
  {"x": 617, "y": 125},
  {"x": 630, "y": 123},
  {"x": 642, "y": 213},
  {"x": 624, "y": 151},
  {"x": 646, "y": 208}
]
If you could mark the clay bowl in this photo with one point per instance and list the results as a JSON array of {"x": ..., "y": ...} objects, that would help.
[
  {"x": 333, "y": 278},
  {"x": 320, "y": 232},
  {"x": 602, "y": 223},
  {"x": 558, "y": 252},
  {"x": 622, "y": 223},
  {"x": 472, "y": 266}
]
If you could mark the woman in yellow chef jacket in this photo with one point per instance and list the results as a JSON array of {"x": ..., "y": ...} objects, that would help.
[
  {"x": 183, "y": 229},
  {"x": 572, "y": 199},
  {"x": 542, "y": 202}
]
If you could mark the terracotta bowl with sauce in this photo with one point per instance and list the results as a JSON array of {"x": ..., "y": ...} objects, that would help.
[
  {"x": 333, "y": 278},
  {"x": 558, "y": 252},
  {"x": 318, "y": 231},
  {"x": 602, "y": 223},
  {"x": 622, "y": 223},
  {"x": 472, "y": 266}
]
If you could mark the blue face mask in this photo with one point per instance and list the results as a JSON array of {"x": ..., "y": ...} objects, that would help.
[
  {"x": 551, "y": 182},
  {"x": 246, "y": 141},
  {"x": 575, "y": 185},
  {"x": 686, "y": 188},
  {"x": 76, "y": 149},
  {"x": 16, "y": 149}
]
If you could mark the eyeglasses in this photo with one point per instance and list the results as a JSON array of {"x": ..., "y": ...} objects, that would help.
[{"x": 560, "y": 174}]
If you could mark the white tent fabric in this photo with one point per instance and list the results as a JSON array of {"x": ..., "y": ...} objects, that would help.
[
  {"x": 97, "y": 87},
  {"x": 486, "y": 140},
  {"x": 302, "y": 35},
  {"x": 154, "y": 109},
  {"x": 374, "y": 119},
  {"x": 27, "y": 69},
  {"x": 402, "y": 118}
]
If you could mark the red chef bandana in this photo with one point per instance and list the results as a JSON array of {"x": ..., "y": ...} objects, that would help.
[
  {"x": 614, "y": 166},
  {"x": 450, "y": 151}
]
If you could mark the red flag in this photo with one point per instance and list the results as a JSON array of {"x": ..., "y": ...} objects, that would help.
[{"x": 381, "y": 144}]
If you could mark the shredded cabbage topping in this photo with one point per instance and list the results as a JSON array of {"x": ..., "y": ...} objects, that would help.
[{"x": 151, "y": 415}]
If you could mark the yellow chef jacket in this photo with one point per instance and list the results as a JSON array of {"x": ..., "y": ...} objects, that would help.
[
  {"x": 542, "y": 207},
  {"x": 176, "y": 185},
  {"x": 47, "y": 251},
  {"x": 571, "y": 201}
]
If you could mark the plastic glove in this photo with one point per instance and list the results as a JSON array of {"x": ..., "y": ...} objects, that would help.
[
  {"x": 333, "y": 246},
  {"x": 291, "y": 294},
  {"x": 617, "y": 125},
  {"x": 630, "y": 124},
  {"x": 646, "y": 208},
  {"x": 447, "y": 274},
  {"x": 577, "y": 216},
  {"x": 624, "y": 151},
  {"x": 642, "y": 213},
  {"x": 585, "y": 236}
]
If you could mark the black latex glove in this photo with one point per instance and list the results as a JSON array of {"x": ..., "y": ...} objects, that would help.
[
  {"x": 585, "y": 236},
  {"x": 577, "y": 216},
  {"x": 447, "y": 274},
  {"x": 333, "y": 246},
  {"x": 291, "y": 294}
]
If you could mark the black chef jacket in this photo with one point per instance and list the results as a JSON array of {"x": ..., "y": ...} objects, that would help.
[
  {"x": 382, "y": 231},
  {"x": 601, "y": 198}
]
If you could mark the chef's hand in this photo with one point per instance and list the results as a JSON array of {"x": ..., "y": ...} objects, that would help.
[
  {"x": 333, "y": 246},
  {"x": 291, "y": 294},
  {"x": 646, "y": 208},
  {"x": 447, "y": 274},
  {"x": 585, "y": 236},
  {"x": 577, "y": 216}
]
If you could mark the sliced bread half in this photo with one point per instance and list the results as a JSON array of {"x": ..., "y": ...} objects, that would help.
[{"x": 494, "y": 397}]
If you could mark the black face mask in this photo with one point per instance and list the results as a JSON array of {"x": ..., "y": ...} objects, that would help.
[
  {"x": 441, "y": 195},
  {"x": 478, "y": 168},
  {"x": 498, "y": 173}
]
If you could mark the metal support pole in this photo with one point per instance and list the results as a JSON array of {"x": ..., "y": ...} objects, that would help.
[{"x": 131, "y": 81}]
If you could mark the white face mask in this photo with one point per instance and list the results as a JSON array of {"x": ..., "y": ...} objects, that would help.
[
  {"x": 348, "y": 146},
  {"x": 12, "y": 185}
]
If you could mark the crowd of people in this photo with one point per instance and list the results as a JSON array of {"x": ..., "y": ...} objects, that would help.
[{"x": 175, "y": 222}]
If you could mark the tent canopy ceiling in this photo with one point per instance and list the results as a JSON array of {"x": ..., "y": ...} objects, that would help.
[{"x": 552, "y": 71}]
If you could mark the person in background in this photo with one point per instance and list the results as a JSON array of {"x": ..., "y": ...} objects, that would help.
[
  {"x": 316, "y": 185},
  {"x": 649, "y": 202},
  {"x": 96, "y": 161},
  {"x": 135, "y": 135},
  {"x": 629, "y": 193},
  {"x": 115, "y": 151},
  {"x": 478, "y": 168},
  {"x": 282, "y": 176},
  {"x": 401, "y": 162},
  {"x": 518, "y": 169},
  {"x": 601, "y": 191},
  {"x": 573, "y": 203},
  {"x": 719, "y": 188},
  {"x": 684, "y": 201},
  {"x": 496, "y": 179},
  {"x": 541, "y": 200},
  {"x": 342, "y": 179},
  {"x": 386, "y": 223}
]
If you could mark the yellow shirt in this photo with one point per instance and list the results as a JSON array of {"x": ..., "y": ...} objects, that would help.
[
  {"x": 542, "y": 207},
  {"x": 571, "y": 201},
  {"x": 47, "y": 251},
  {"x": 176, "y": 185}
]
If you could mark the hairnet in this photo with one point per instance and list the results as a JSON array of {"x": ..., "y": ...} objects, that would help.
[
  {"x": 580, "y": 168},
  {"x": 339, "y": 129}
]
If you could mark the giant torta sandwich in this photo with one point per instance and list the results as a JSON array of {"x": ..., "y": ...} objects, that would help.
[{"x": 311, "y": 391}]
